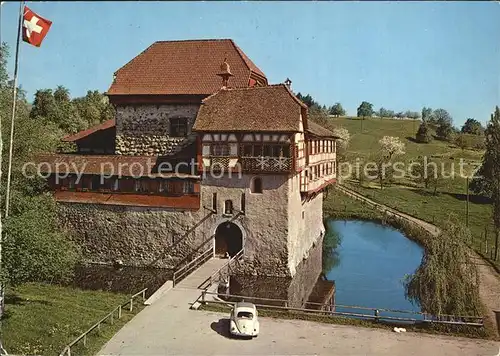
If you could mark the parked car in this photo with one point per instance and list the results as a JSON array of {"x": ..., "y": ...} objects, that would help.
[{"x": 244, "y": 320}]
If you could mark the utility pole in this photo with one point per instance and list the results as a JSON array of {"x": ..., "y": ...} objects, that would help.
[{"x": 467, "y": 202}]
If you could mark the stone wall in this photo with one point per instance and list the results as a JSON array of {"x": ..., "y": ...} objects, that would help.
[
  {"x": 265, "y": 226},
  {"x": 276, "y": 239},
  {"x": 144, "y": 130},
  {"x": 306, "y": 276},
  {"x": 137, "y": 236},
  {"x": 305, "y": 221}
]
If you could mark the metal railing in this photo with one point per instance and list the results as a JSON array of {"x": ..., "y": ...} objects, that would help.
[
  {"x": 182, "y": 272},
  {"x": 222, "y": 272},
  {"x": 332, "y": 310},
  {"x": 180, "y": 240},
  {"x": 110, "y": 316}
]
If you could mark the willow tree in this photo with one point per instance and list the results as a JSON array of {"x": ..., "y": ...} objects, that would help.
[{"x": 447, "y": 280}]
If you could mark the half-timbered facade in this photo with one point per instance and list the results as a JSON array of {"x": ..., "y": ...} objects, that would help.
[{"x": 198, "y": 150}]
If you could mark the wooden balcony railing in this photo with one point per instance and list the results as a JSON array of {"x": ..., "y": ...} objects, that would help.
[
  {"x": 253, "y": 164},
  {"x": 266, "y": 164}
]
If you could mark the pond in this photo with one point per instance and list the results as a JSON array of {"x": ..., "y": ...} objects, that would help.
[{"x": 370, "y": 264}]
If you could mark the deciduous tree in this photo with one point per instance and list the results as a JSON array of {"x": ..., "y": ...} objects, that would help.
[
  {"x": 446, "y": 282},
  {"x": 365, "y": 110},
  {"x": 337, "y": 110},
  {"x": 426, "y": 113},
  {"x": 391, "y": 146},
  {"x": 34, "y": 249}
]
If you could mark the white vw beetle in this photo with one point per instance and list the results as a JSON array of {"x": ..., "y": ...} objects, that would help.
[{"x": 243, "y": 321}]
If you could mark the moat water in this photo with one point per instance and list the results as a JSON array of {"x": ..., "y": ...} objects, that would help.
[
  {"x": 367, "y": 262},
  {"x": 371, "y": 263}
]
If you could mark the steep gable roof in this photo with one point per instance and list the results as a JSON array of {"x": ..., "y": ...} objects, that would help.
[
  {"x": 184, "y": 67},
  {"x": 269, "y": 108}
]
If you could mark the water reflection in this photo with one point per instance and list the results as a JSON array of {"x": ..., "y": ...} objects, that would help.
[
  {"x": 124, "y": 279},
  {"x": 308, "y": 284},
  {"x": 375, "y": 259}
]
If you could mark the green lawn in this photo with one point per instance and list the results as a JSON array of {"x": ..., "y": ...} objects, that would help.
[
  {"x": 41, "y": 318},
  {"x": 364, "y": 143}
]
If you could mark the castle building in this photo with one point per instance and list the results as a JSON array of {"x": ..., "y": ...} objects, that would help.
[{"x": 202, "y": 148}]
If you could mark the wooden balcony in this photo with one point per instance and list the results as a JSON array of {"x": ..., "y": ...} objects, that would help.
[
  {"x": 266, "y": 164},
  {"x": 249, "y": 164}
]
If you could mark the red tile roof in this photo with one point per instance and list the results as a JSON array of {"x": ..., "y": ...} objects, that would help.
[
  {"x": 79, "y": 135},
  {"x": 318, "y": 130},
  {"x": 183, "y": 67},
  {"x": 125, "y": 166},
  {"x": 269, "y": 108}
]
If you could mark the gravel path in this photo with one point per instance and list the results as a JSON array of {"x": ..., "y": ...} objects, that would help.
[{"x": 489, "y": 280}]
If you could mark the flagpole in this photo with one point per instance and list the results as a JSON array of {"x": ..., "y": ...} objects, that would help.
[{"x": 14, "y": 102}]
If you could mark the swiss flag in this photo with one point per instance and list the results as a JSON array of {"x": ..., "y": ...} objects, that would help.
[{"x": 35, "y": 27}]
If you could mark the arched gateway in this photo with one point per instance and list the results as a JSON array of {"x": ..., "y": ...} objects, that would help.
[{"x": 228, "y": 238}]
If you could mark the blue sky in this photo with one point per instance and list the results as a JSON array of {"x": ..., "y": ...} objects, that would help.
[{"x": 399, "y": 55}]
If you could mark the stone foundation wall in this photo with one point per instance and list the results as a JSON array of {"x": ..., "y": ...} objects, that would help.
[
  {"x": 305, "y": 221},
  {"x": 136, "y": 236},
  {"x": 306, "y": 276},
  {"x": 144, "y": 130},
  {"x": 275, "y": 241}
]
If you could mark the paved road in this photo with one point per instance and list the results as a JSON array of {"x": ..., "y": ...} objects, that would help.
[
  {"x": 206, "y": 334},
  {"x": 169, "y": 327}
]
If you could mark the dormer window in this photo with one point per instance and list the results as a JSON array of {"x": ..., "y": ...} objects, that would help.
[{"x": 178, "y": 127}]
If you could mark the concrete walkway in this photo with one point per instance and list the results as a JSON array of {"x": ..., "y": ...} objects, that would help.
[
  {"x": 165, "y": 315},
  {"x": 489, "y": 280}
]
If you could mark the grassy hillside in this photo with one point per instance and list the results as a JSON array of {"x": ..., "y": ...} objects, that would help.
[
  {"x": 410, "y": 197},
  {"x": 364, "y": 142}
]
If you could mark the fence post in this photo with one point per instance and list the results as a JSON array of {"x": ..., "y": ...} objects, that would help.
[
  {"x": 203, "y": 296},
  {"x": 119, "y": 312},
  {"x": 143, "y": 295},
  {"x": 85, "y": 340},
  {"x": 69, "y": 351},
  {"x": 131, "y": 304}
]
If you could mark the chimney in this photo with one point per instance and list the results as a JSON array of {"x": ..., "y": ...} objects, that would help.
[
  {"x": 288, "y": 83},
  {"x": 225, "y": 73}
]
